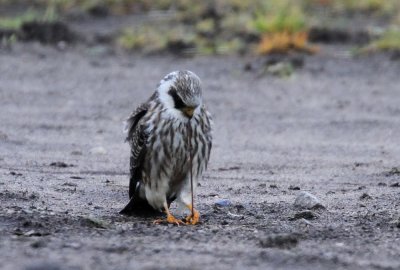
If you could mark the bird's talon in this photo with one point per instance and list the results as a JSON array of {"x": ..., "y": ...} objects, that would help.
[
  {"x": 175, "y": 221},
  {"x": 169, "y": 220},
  {"x": 194, "y": 216},
  {"x": 193, "y": 219},
  {"x": 158, "y": 221}
]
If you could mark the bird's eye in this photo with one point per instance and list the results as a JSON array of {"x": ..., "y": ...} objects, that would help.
[{"x": 179, "y": 104}]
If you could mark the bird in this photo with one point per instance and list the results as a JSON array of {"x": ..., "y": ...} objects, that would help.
[{"x": 170, "y": 137}]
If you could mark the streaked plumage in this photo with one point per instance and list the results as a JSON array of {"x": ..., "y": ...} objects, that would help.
[{"x": 158, "y": 136}]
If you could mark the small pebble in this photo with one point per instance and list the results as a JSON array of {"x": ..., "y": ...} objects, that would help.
[
  {"x": 306, "y": 200},
  {"x": 223, "y": 202},
  {"x": 365, "y": 196}
]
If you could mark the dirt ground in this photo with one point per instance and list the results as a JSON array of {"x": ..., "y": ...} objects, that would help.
[{"x": 331, "y": 129}]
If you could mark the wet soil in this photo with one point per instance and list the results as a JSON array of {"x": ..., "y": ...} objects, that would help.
[{"x": 331, "y": 129}]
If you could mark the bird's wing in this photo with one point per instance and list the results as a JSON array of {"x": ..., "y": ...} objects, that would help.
[
  {"x": 206, "y": 123},
  {"x": 137, "y": 139},
  {"x": 131, "y": 123}
]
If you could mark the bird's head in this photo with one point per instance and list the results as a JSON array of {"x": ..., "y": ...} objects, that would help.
[{"x": 180, "y": 92}]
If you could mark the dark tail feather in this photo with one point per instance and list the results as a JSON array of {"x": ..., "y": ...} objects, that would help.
[{"x": 136, "y": 205}]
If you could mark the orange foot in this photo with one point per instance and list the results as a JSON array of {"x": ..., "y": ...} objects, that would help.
[
  {"x": 169, "y": 220},
  {"x": 193, "y": 218}
]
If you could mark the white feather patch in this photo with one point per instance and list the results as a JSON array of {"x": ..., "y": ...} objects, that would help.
[
  {"x": 126, "y": 125},
  {"x": 166, "y": 99}
]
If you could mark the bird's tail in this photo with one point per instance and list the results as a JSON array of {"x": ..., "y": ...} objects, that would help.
[{"x": 138, "y": 206}]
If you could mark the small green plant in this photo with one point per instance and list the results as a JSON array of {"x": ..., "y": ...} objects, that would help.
[
  {"x": 14, "y": 23},
  {"x": 278, "y": 17},
  {"x": 283, "y": 28},
  {"x": 51, "y": 11},
  {"x": 8, "y": 42},
  {"x": 390, "y": 40},
  {"x": 145, "y": 38},
  {"x": 380, "y": 6}
]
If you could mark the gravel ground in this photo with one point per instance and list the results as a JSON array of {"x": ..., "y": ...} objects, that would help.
[{"x": 331, "y": 129}]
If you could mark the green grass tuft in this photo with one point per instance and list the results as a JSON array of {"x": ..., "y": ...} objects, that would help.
[
  {"x": 14, "y": 23},
  {"x": 284, "y": 16},
  {"x": 390, "y": 40}
]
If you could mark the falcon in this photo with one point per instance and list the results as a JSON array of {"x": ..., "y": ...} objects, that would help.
[{"x": 170, "y": 139}]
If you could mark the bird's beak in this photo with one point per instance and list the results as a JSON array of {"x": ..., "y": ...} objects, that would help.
[{"x": 188, "y": 111}]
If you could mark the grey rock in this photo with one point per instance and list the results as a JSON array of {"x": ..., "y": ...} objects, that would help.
[
  {"x": 306, "y": 200},
  {"x": 223, "y": 203}
]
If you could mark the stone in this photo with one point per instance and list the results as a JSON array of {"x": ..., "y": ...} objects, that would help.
[{"x": 306, "y": 200}]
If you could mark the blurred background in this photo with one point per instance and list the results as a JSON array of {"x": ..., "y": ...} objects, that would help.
[
  {"x": 305, "y": 98},
  {"x": 186, "y": 27}
]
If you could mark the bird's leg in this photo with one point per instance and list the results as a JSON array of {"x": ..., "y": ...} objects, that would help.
[
  {"x": 194, "y": 216},
  {"x": 170, "y": 218}
]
